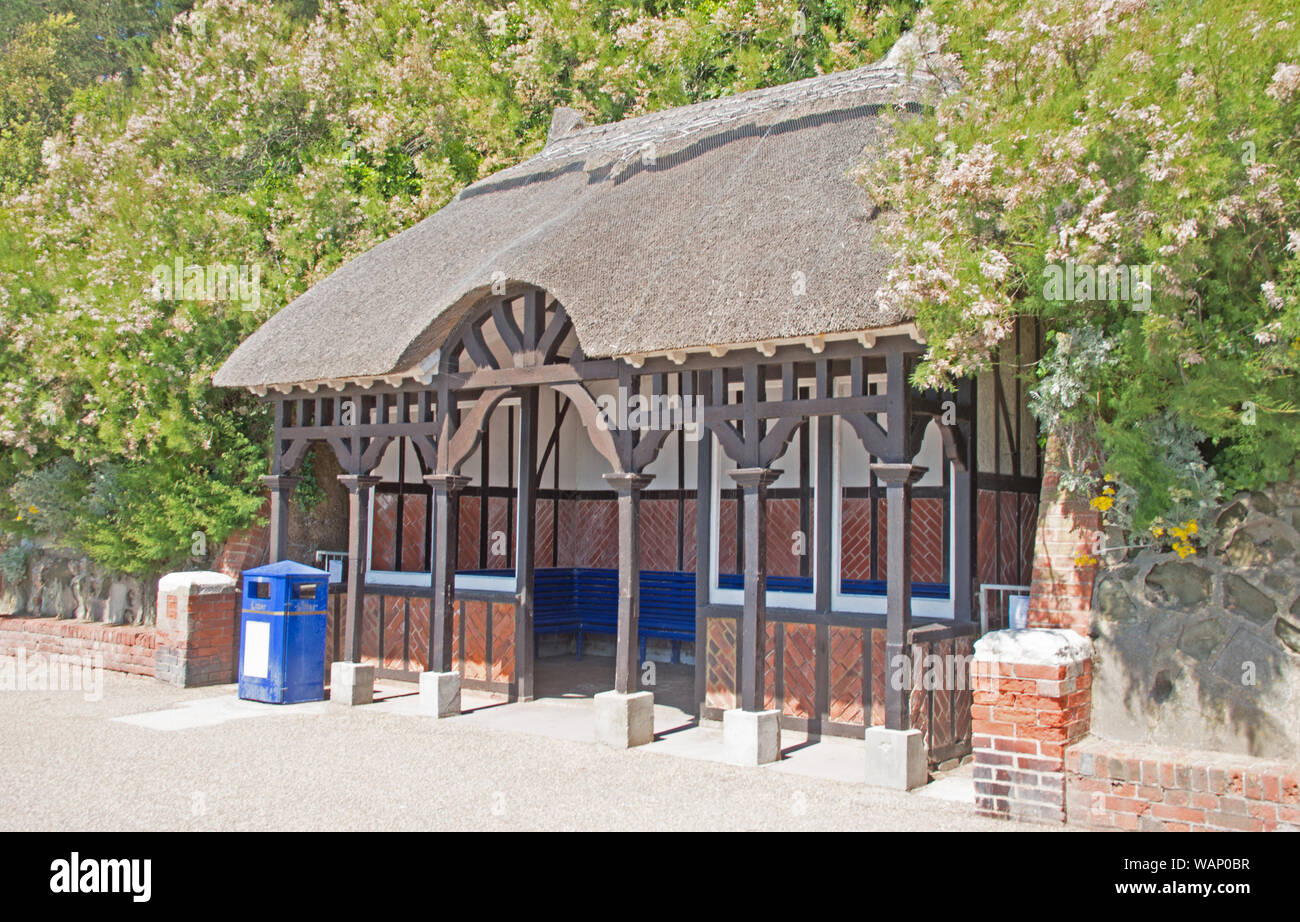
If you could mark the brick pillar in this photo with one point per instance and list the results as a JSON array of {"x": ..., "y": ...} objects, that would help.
[
  {"x": 245, "y": 549},
  {"x": 198, "y": 629},
  {"x": 1060, "y": 594},
  {"x": 1033, "y": 692}
]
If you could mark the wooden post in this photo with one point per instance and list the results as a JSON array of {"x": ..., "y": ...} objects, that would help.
[
  {"x": 626, "y": 665},
  {"x": 359, "y": 487},
  {"x": 281, "y": 487},
  {"x": 446, "y": 489},
  {"x": 753, "y": 482},
  {"x": 525, "y": 542},
  {"x": 898, "y": 479}
]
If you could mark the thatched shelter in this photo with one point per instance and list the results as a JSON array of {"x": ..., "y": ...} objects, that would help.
[{"x": 694, "y": 293}]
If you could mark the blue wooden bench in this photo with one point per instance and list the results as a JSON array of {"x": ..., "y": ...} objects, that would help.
[{"x": 584, "y": 600}]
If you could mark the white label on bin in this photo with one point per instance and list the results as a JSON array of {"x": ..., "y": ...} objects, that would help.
[{"x": 257, "y": 649}]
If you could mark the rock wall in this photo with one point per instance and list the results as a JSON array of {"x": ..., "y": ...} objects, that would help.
[
  {"x": 63, "y": 584},
  {"x": 1204, "y": 652}
]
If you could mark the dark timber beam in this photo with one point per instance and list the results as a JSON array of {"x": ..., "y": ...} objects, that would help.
[
  {"x": 359, "y": 488},
  {"x": 898, "y": 480},
  {"x": 626, "y": 664},
  {"x": 281, "y": 487},
  {"x": 753, "y": 483},
  {"x": 525, "y": 542},
  {"x": 446, "y": 490}
]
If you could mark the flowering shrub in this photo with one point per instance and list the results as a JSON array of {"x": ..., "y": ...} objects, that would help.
[
  {"x": 1108, "y": 142},
  {"x": 285, "y": 137}
]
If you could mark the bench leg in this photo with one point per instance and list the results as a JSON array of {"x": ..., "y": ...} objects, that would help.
[
  {"x": 579, "y": 644},
  {"x": 676, "y": 652},
  {"x": 641, "y": 648}
]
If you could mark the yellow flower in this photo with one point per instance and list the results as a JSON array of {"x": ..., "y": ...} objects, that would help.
[
  {"x": 1110, "y": 477},
  {"x": 1085, "y": 560},
  {"x": 1191, "y": 527},
  {"x": 1157, "y": 531},
  {"x": 1102, "y": 503},
  {"x": 1109, "y": 491},
  {"x": 33, "y": 510},
  {"x": 1184, "y": 549}
]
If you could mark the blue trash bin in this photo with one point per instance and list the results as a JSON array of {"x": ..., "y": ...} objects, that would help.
[{"x": 282, "y": 633}]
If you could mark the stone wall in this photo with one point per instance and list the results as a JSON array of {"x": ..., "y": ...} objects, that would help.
[
  {"x": 1204, "y": 652},
  {"x": 64, "y": 584}
]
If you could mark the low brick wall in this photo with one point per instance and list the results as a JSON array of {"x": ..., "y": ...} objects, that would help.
[
  {"x": 1032, "y": 694},
  {"x": 123, "y": 648},
  {"x": 1150, "y": 788},
  {"x": 198, "y": 629}
]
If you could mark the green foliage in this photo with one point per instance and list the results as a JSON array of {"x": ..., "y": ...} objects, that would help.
[
  {"x": 1104, "y": 134},
  {"x": 287, "y": 138}
]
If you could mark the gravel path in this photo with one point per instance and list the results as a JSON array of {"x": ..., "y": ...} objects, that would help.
[{"x": 65, "y": 764}]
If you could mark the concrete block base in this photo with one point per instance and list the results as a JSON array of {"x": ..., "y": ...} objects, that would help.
[
  {"x": 352, "y": 683},
  {"x": 440, "y": 694},
  {"x": 896, "y": 758},
  {"x": 751, "y": 737},
  {"x": 624, "y": 721}
]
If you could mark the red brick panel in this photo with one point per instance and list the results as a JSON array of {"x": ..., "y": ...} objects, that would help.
[
  {"x": 846, "y": 665},
  {"x": 415, "y": 551},
  {"x": 799, "y": 670},
  {"x": 503, "y": 642},
  {"x": 419, "y": 642},
  {"x": 394, "y": 632},
  {"x": 474, "y": 615},
  {"x": 383, "y": 533},
  {"x": 1135, "y": 787},
  {"x": 927, "y": 540},
  {"x": 688, "y": 536},
  {"x": 545, "y": 538},
  {"x": 659, "y": 534},
  {"x": 500, "y": 524},
  {"x": 769, "y": 670},
  {"x": 720, "y": 664},
  {"x": 371, "y": 610},
  {"x": 855, "y": 539},
  {"x": 879, "y": 670},
  {"x": 783, "y": 531},
  {"x": 467, "y": 552},
  {"x": 726, "y": 525},
  {"x": 597, "y": 527}
]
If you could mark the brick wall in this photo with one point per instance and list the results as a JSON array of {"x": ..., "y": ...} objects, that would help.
[
  {"x": 246, "y": 548},
  {"x": 123, "y": 648},
  {"x": 1136, "y": 787},
  {"x": 1032, "y": 700},
  {"x": 198, "y": 629},
  {"x": 1060, "y": 594}
]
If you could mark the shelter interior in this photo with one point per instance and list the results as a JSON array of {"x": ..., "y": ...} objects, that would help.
[{"x": 789, "y": 517}]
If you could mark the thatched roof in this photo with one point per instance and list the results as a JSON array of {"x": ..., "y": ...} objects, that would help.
[{"x": 684, "y": 228}]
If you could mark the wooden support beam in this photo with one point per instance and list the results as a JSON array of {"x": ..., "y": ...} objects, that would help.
[
  {"x": 626, "y": 662},
  {"x": 898, "y": 479},
  {"x": 359, "y": 487},
  {"x": 281, "y": 487},
  {"x": 446, "y": 489},
  {"x": 753, "y": 483},
  {"x": 525, "y": 542}
]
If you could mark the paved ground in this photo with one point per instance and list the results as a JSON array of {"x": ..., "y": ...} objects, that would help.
[{"x": 148, "y": 756}]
